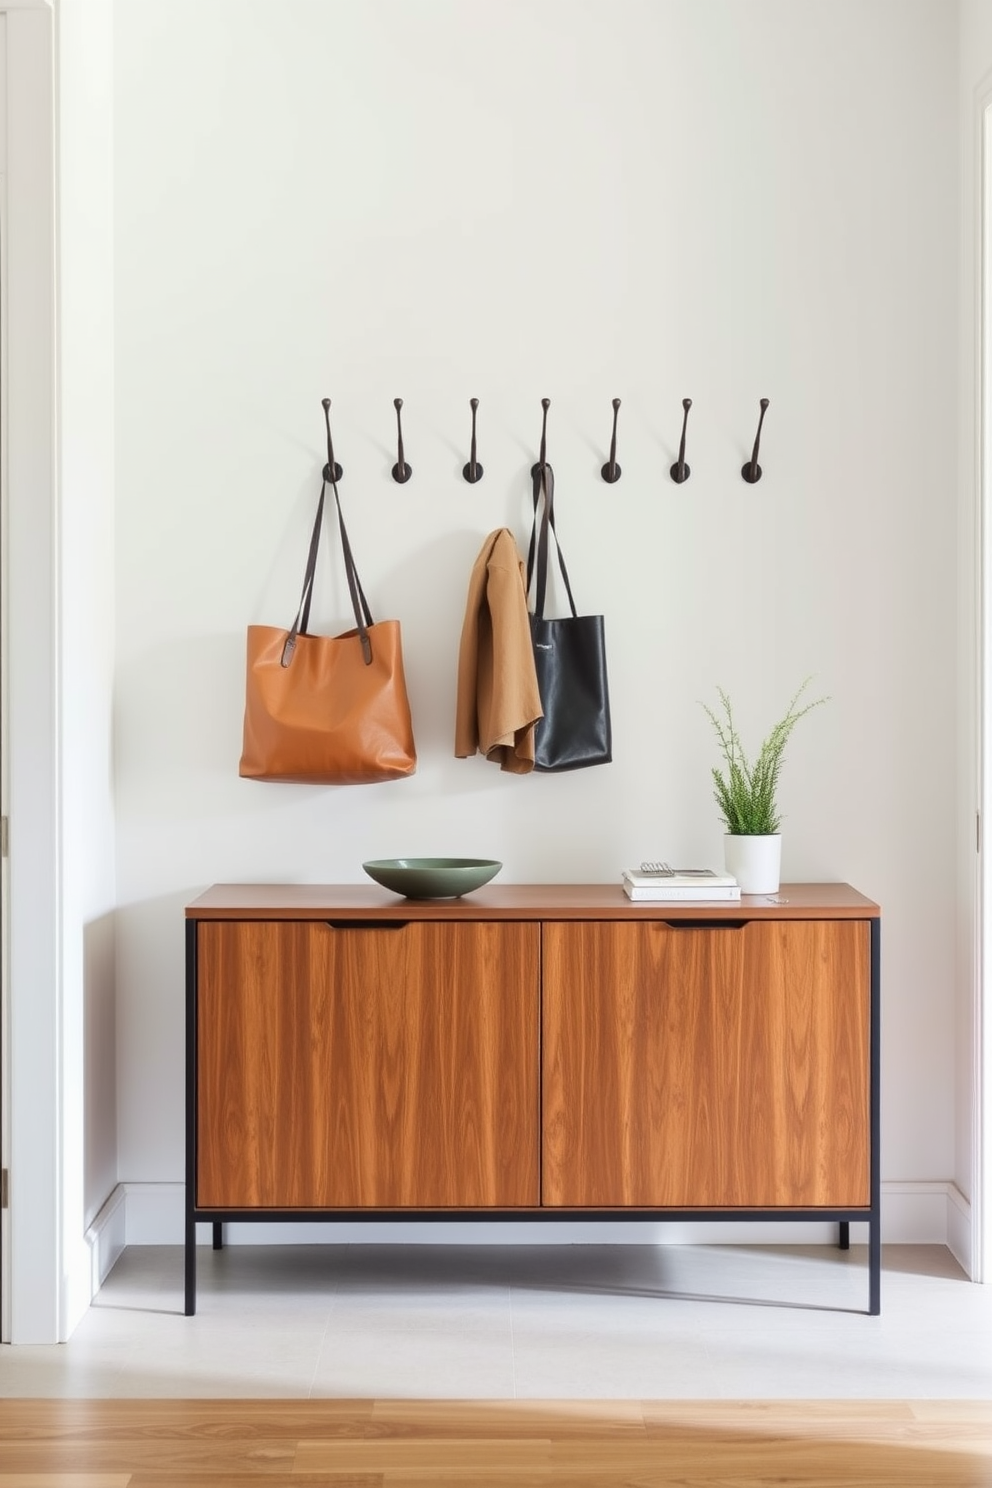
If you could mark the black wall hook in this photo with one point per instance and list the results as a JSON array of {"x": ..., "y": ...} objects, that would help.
[
  {"x": 752, "y": 470},
  {"x": 680, "y": 471},
  {"x": 543, "y": 459},
  {"x": 473, "y": 470},
  {"x": 401, "y": 470},
  {"x": 332, "y": 470},
  {"x": 611, "y": 470}
]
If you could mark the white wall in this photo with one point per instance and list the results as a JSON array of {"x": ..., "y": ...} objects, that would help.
[
  {"x": 643, "y": 200},
  {"x": 975, "y": 51}
]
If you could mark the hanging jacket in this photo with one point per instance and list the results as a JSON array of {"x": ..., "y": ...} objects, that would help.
[{"x": 498, "y": 700}]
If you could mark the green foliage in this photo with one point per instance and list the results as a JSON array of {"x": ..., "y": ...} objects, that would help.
[{"x": 746, "y": 792}]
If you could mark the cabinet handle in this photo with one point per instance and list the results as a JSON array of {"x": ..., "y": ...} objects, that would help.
[
  {"x": 706, "y": 924},
  {"x": 366, "y": 924}
]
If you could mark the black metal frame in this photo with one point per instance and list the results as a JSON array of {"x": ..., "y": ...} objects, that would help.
[{"x": 844, "y": 1217}]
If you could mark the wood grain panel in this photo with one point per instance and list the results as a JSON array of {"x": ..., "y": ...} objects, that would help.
[
  {"x": 701, "y": 1067},
  {"x": 343, "y": 1067},
  {"x": 805, "y": 1032}
]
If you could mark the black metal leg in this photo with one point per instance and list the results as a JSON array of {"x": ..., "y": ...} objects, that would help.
[
  {"x": 190, "y": 1265},
  {"x": 218, "y": 1236},
  {"x": 875, "y": 1267},
  {"x": 844, "y": 1242},
  {"x": 875, "y": 1224},
  {"x": 190, "y": 1199}
]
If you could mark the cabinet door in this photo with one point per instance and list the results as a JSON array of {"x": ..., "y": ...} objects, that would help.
[
  {"x": 367, "y": 1067},
  {"x": 706, "y": 1066}
]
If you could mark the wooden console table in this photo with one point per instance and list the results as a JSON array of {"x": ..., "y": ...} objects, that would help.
[{"x": 531, "y": 1052}]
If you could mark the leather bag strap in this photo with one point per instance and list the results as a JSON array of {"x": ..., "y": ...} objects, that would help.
[
  {"x": 360, "y": 605},
  {"x": 544, "y": 483}
]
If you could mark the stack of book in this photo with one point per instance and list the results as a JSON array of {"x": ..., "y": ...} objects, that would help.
[{"x": 668, "y": 885}]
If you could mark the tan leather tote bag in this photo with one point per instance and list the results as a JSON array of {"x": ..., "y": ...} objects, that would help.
[{"x": 327, "y": 709}]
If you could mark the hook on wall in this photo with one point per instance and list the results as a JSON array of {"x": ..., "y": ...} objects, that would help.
[
  {"x": 401, "y": 470},
  {"x": 473, "y": 470},
  {"x": 332, "y": 470},
  {"x": 680, "y": 471},
  {"x": 543, "y": 458},
  {"x": 751, "y": 471},
  {"x": 611, "y": 470}
]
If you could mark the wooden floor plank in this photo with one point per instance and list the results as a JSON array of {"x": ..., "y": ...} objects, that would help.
[
  {"x": 781, "y": 1415},
  {"x": 78, "y": 1419},
  {"x": 522, "y": 1418},
  {"x": 65, "y": 1480},
  {"x": 687, "y": 1459},
  {"x": 165, "y": 1454},
  {"x": 495, "y": 1444},
  {"x": 703, "y": 1474},
  {"x": 440, "y": 1455},
  {"x": 151, "y": 1479}
]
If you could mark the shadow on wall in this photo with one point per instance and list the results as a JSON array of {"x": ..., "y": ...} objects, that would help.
[
  {"x": 99, "y": 1064},
  {"x": 151, "y": 1024}
]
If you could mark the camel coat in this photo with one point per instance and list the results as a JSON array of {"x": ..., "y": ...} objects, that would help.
[{"x": 498, "y": 698}]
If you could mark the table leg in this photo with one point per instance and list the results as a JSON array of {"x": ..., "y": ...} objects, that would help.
[
  {"x": 874, "y": 1267},
  {"x": 190, "y": 1259}
]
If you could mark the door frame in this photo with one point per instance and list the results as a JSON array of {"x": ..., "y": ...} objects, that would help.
[
  {"x": 5, "y": 1060},
  {"x": 31, "y": 592},
  {"x": 981, "y": 1069}
]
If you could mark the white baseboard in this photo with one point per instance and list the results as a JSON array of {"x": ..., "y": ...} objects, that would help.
[
  {"x": 919, "y": 1213},
  {"x": 933, "y": 1213},
  {"x": 106, "y": 1238},
  {"x": 959, "y": 1230}
]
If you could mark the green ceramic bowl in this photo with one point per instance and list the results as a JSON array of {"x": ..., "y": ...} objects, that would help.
[{"x": 432, "y": 878}]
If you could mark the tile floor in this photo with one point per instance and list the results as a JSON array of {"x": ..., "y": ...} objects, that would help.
[{"x": 526, "y": 1322}]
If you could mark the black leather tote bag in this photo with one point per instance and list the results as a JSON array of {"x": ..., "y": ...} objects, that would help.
[{"x": 569, "y": 656}]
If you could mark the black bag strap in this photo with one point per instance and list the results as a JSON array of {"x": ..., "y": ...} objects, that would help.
[
  {"x": 360, "y": 605},
  {"x": 544, "y": 482}
]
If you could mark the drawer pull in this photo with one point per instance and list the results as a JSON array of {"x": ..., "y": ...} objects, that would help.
[
  {"x": 367, "y": 924},
  {"x": 705, "y": 924}
]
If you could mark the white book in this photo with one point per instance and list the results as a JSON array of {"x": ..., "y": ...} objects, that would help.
[
  {"x": 665, "y": 893},
  {"x": 680, "y": 878}
]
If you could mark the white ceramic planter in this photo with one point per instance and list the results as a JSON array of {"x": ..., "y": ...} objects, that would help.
[{"x": 755, "y": 862}]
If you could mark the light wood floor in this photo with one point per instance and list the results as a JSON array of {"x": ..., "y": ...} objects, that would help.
[{"x": 488, "y": 1444}]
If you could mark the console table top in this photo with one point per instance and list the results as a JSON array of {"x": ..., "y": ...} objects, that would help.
[{"x": 508, "y": 901}]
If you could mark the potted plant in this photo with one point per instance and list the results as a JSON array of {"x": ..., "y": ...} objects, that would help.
[{"x": 747, "y": 794}]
